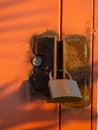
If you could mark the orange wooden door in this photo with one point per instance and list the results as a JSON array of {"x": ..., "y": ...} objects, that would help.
[{"x": 19, "y": 20}]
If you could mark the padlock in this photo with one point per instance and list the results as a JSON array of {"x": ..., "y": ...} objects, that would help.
[{"x": 62, "y": 90}]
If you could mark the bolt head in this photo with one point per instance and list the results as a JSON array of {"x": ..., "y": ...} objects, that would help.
[{"x": 37, "y": 61}]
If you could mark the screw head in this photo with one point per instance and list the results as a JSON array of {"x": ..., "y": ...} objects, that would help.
[{"x": 36, "y": 61}]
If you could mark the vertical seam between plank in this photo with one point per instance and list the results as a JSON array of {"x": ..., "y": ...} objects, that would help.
[
  {"x": 92, "y": 42},
  {"x": 60, "y": 39}
]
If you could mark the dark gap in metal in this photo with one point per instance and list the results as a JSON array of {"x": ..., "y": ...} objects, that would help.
[
  {"x": 60, "y": 59},
  {"x": 61, "y": 14}
]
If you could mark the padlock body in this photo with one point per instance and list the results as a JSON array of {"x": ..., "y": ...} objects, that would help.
[{"x": 64, "y": 88}]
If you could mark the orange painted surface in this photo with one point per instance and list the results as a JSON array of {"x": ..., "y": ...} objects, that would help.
[
  {"x": 78, "y": 19},
  {"x": 19, "y": 20}
]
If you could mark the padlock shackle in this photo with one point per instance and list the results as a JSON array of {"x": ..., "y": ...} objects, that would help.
[
  {"x": 51, "y": 77},
  {"x": 70, "y": 77}
]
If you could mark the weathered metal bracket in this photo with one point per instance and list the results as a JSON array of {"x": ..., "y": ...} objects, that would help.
[
  {"x": 71, "y": 54},
  {"x": 76, "y": 60},
  {"x": 43, "y": 62}
]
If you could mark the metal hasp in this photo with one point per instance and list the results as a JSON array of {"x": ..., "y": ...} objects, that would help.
[
  {"x": 72, "y": 55},
  {"x": 76, "y": 60},
  {"x": 42, "y": 47}
]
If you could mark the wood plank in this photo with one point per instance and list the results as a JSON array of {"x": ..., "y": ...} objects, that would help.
[
  {"x": 77, "y": 19},
  {"x": 18, "y": 22}
]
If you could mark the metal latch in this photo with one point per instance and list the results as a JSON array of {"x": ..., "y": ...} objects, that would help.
[{"x": 72, "y": 55}]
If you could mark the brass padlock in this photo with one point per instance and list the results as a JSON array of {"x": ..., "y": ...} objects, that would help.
[{"x": 62, "y": 90}]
